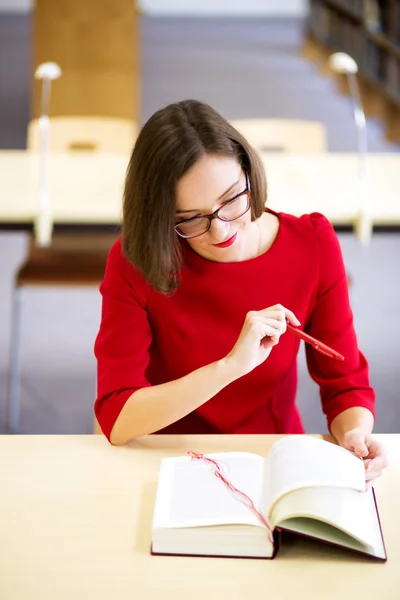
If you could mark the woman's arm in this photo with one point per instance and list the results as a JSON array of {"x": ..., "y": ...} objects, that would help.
[
  {"x": 356, "y": 417},
  {"x": 152, "y": 408},
  {"x": 347, "y": 397},
  {"x": 343, "y": 385},
  {"x": 352, "y": 429}
]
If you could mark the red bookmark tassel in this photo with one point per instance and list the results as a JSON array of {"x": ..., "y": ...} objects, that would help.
[{"x": 241, "y": 496}]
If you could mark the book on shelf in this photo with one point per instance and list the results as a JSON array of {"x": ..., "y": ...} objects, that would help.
[
  {"x": 393, "y": 76},
  {"x": 319, "y": 20},
  {"x": 306, "y": 486},
  {"x": 375, "y": 62},
  {"x": 353, "y": 8},
  {"x": 352, "y": 40},
  {"x": 372, "y": 16},
  {"x": 396, "y": 23},
  {"x": 378, "y": 16}
]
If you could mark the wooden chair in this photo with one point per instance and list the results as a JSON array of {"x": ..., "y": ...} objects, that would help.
[
  {"x": 72, "y": 259},
  {"x": 283, "y": 135},
  {"x": 89, "y": 134}
]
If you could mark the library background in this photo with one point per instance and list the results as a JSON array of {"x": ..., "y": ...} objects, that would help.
[
  {"x": 369, "y": 31},
  {"x": 258, "y": 62}
]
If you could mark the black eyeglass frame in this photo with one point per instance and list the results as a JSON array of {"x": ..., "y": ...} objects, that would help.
[{"x": 215, "y": 214}]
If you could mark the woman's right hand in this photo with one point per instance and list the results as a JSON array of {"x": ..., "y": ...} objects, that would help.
[{"x": 260, "y": 333}]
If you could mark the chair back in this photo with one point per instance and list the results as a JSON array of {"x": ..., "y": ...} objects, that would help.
[
  {"x": 283, "y": 135},
  {"x": 85, "y": 134}
]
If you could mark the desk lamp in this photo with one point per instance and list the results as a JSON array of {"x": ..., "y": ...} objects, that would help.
[
  {"x": 342, "y": 63},
  {"x": 43, "y": 224}
]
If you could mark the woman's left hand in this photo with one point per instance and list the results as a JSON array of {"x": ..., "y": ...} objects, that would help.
[{"x": 371, "y": 450}]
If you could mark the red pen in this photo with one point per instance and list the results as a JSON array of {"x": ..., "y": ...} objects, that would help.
[{"x": 317, "y": 345}]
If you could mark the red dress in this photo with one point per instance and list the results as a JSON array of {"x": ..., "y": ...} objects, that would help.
[{"x": 147, "y": 338}]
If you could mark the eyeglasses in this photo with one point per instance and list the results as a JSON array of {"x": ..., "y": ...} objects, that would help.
[{"x": 231, "y": 210}]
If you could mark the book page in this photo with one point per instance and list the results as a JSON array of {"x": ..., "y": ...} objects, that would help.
[
  {"x": 312, "y": 510},
  {"x": 299, "y": 461},
  {"x": 190, "y": 495}
]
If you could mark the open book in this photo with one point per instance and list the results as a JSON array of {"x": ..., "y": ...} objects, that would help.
[{"x": 306, "y": 486}]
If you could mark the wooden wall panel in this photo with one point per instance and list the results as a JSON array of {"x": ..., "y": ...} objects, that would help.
[{"x": 97, "y": 45}]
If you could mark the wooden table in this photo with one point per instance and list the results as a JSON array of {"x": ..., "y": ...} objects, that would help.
[
  {"x": 75, "y": 523},
  {"x": 86, "y": 188}
]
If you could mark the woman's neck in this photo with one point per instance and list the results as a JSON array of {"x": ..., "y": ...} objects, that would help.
[{"x": 268, "y": 227}]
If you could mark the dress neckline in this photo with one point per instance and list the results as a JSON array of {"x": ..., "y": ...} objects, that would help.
[{"x": 192, "y": 259}]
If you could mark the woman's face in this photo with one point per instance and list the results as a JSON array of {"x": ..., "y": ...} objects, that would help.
[{"x": 206, "y": 187}]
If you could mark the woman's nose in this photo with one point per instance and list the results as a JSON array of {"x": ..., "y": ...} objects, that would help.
[{"x": 219, "y": 229}]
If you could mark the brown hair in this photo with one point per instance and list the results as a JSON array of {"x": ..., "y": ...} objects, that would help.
[{"x": 169, "y": 144}]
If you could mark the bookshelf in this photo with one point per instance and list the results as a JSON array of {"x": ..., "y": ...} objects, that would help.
[{"x": 369, "y": 31}]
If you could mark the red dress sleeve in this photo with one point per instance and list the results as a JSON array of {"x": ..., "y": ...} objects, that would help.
[
  {"x": 124, "y": 337},
  {"x": 342, "y": 384}
]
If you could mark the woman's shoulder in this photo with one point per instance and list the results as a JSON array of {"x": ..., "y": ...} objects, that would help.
[
  {"x": 121, "y": 272},
  {"x": 314, "y": 221},
  {"x": 312, "y": 225},
  {"x": 117, "y": 260},
  {"x": 313, "y": 233}
]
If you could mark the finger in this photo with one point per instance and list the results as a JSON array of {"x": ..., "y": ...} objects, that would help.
[
  {"x": 285, "y": 314},
  {"x": 267, "y": 331},
  {"x": 277, "y": 324},
  {"x": 291, "y": 317},
  {"x": 274, "y": 318},
  {"x": 360, "y": 449},
  {"x": 378, "y": 454},
  {"x": 259, "y": 323},
  {"x": 356, "y": 442},
  {"x": 271, "y": 337},
  {"x": 376, "y": 464},
  {"x": 371, "y": 475},
  {"x": 273, "y": 313},
  {"x": 376, "y": 448},
  {"x": 270, "y": 340},
  {"x": 367, "y": 462}
]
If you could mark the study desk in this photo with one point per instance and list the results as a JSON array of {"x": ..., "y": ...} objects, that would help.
[
  {"x": 86, "y": 188},
  {"x": 75, "y": 523}
]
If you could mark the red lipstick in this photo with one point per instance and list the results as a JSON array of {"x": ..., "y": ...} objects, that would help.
[{"x": 227, "y": 243}]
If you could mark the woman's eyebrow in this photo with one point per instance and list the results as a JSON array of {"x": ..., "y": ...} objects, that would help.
[{"x": 178, "y": 212}]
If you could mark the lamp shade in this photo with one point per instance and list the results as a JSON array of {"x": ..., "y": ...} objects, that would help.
[
  {"x": 340, "y": 62},
  {"x": 48, "y": 70}
]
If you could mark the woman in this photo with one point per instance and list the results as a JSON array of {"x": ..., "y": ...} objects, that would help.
[{"x": 197, "y": 295}]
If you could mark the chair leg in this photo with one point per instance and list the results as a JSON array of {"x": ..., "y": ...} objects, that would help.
[{"x": 14, "y": 376}]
